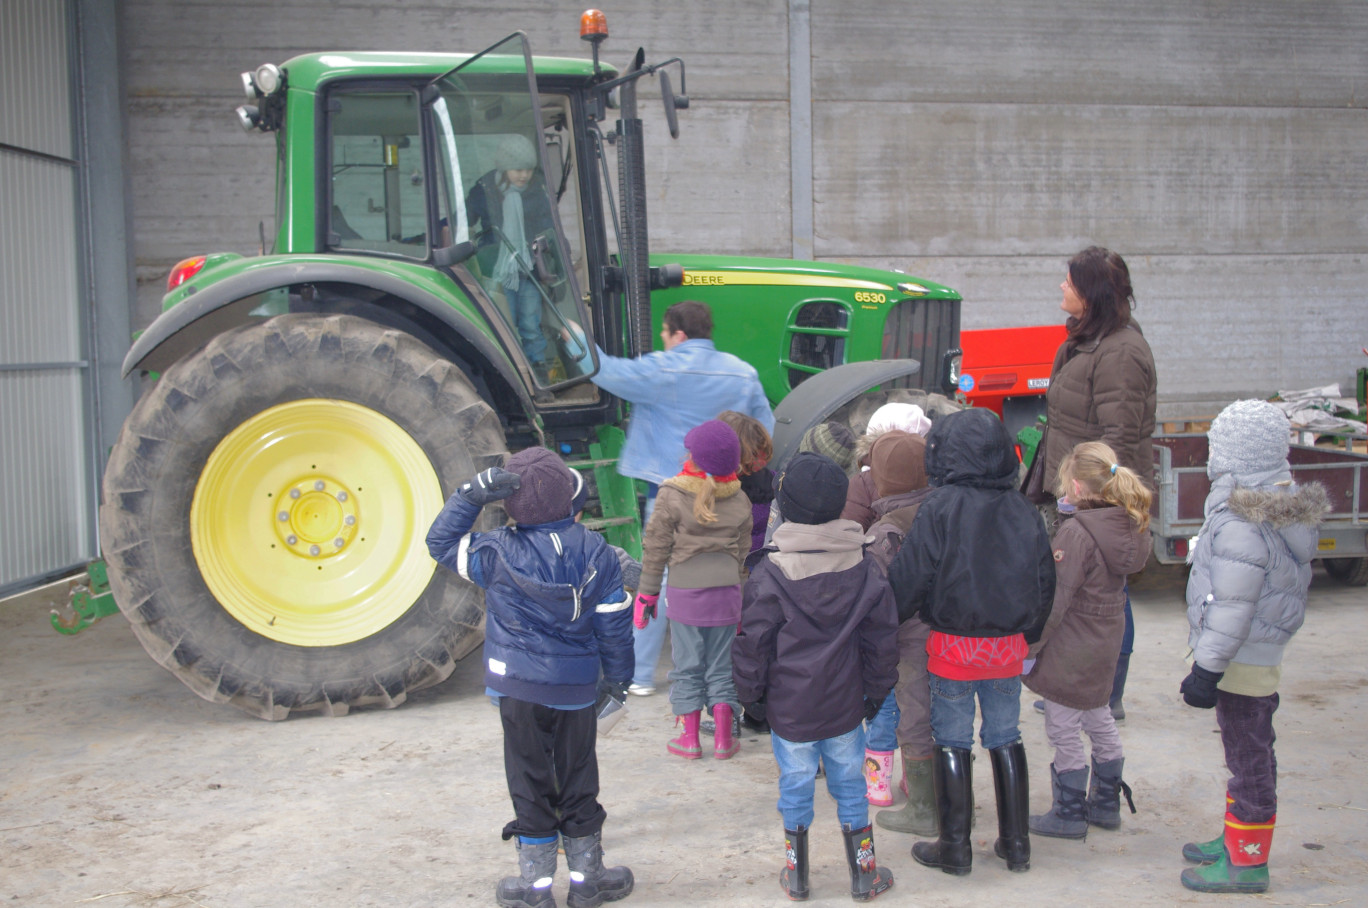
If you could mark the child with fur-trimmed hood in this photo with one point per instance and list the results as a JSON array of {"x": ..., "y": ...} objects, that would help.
[{"x": 1251, "y": 566}]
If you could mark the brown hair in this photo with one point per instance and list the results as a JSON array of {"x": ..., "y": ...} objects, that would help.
[
  {"x": 1093, "y": 465},
  {"x": 1103, "y": 281},
  {"x": 755, "y": 441},
  {"x": 691, "y": 317}
]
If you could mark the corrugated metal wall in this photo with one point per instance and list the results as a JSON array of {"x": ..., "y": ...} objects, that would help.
[{"x": 45, "y": 495}]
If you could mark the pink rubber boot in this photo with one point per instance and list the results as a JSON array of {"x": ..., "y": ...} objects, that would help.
[
  {"x": 724, "y": 745},
  {"x": 878, "y": 776},
  {"x": 686, "y": 745}
]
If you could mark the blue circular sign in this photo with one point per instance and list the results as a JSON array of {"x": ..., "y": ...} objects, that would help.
[{"x": 966, "y": 383}]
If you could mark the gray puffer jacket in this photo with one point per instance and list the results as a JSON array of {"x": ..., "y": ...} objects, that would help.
[{"x": 1251, "y": 568}]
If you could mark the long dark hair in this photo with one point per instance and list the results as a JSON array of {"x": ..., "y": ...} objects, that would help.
[{"x": 1103, "y": 281}]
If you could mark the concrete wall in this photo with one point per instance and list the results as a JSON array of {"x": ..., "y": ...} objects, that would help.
[{"x": 1221, "y": 147}]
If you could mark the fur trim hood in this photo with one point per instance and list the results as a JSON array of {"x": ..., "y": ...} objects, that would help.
[
  {"x": 1280, "y": 507},
  {"x": 694, "y": 484}
]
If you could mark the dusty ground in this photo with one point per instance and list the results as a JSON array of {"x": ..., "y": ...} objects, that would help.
[{"x": 122, "y": 788}]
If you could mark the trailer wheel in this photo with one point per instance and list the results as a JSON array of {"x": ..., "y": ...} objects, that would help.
[
  {"x": 264, "y": 513},
  {"x": 1348, "y": 571}
]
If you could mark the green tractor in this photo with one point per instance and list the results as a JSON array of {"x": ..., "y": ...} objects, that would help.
[{"x": 264, "y": 508}]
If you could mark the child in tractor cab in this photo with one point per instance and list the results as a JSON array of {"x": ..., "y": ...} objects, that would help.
[{"x": 558, "y": 636}]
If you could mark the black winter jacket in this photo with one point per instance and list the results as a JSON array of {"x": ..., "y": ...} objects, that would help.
[{"x": 976, "y": 561}]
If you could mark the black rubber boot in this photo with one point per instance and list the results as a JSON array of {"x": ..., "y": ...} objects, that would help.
[
  {"x": 536, "y": 864},
  {"x": 1012, "y": 787},
  {"x": 951, "y": 769},
  {"x": 793, "y": 879},
  {"x": 1118, "y": 711},
  {"x": 1067, "y": 818},
  {"x": 867, "y": 878},
  {"x": 1104, "y": 794},
  {"x": 590, "y": 883}
]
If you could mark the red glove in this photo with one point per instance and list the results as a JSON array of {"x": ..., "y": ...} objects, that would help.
[{"x": 644, "y": 609}]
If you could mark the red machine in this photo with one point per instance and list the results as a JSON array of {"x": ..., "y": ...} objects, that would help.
[{"x": 1007, "y": 370}]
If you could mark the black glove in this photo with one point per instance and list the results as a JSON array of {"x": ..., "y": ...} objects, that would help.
[
  {"x": 494, "y": 484},
  {"x": 872, "y": 707},
  {"x": 755, "y": 710},
  {"x": 1199, "y": 687},
  {"x": 615, "y": 689}
]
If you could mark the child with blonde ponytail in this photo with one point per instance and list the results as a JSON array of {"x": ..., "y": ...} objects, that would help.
[
  {"x": 701, "y": 530},
  {"x": 1103, "y": 537}
]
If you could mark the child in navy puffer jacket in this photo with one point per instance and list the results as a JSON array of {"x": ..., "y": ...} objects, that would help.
[{"x": 558, "y": 636}]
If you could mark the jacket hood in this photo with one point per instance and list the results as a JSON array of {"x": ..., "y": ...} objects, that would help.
[
  {"x": 891, "y": 503},
  {"x": 1283, "y": 506},
  {"x": 1124, "y": 547},
  {"x": 563, "y": 540},
  {"x": 694, "y": 484},
  {"x": 971, "y": 447},
  {"x": 817, "y": 548}
]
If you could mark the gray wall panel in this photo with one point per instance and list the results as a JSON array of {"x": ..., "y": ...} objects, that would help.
[
  {"x": 38, "y": 285},
  {"x": 995, "y": 179},
  {"x": 45, "y": 524},
  {"x": 1208, "y": 53},
  {"x": 35, "y": 75}
]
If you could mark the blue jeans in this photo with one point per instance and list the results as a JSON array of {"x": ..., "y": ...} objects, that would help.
[
  {"x": 1128, "y": 637},
  {"x": 526, "y": 303},
  {"x": 843, "y": 759},
  {"x": 881, "y": 732},
  {"x": 648, "y": 642},
  {"x": 952, "y": 711}
]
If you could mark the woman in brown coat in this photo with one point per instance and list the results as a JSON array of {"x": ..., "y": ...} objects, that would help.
[
  {"x": 1102, "y": 539},
  {"x": 1102, "y": 388}
]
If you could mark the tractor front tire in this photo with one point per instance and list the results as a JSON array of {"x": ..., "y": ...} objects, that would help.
[{"x": 264, "y": 512}]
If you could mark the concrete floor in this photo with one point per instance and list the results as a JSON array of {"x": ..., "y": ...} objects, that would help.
[{"x": 122, "y": 788}]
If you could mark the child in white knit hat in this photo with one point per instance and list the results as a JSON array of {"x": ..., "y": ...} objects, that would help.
[{"x": 1251, "y": 567}]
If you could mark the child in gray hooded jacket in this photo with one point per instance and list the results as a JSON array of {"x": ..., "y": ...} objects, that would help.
[{"x": 1251, "y": 567}]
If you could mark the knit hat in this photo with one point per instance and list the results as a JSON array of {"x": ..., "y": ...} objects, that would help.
[
  {"x": 832, "y": 440},
  {"x": 812, "y": 489},
  {"x": 898, "y": 417},
  {"x": 546, "y": 489},
  {"x": 1249, "y": 436},
  {"x": 714, "y": 448},
  {"x": 897, "y": 463},
  {"x": 515, "y": 152}
]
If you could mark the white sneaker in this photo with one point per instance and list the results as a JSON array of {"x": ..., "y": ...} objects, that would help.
[{"x": 641, "y": 690}]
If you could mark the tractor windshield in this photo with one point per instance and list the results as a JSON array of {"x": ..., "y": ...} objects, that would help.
[{"x": 507, "y": 183}]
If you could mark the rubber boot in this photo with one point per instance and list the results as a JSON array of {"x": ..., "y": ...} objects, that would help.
[
  {"x": 1011, "y": 784},
  {"x": 1207, "y": 852},
  {"x": 793, "y": 879},
  {"x": 877, "y": 788},
  {"x": 918, "y": 815},
  {"x": 591, "y": 884},
  {"x": 725, "y": 744},
  {"x": 686, "y": 745},
  {"x": 532, "y": 887},
  {"x": 1119, "y": 687},
  {"x": 1243, "y": 864},
  {"x": 1068, "y": 817},
  {"x": 867, "y": 878},
  {"x": 1104, "y": 794},
  {"x": 951, "y": 852}
]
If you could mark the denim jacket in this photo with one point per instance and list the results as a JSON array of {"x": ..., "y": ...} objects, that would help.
[{"x": 671, "y": 391}]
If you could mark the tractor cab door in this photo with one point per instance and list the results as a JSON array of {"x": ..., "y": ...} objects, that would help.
[{"x": 508, "y": 204}]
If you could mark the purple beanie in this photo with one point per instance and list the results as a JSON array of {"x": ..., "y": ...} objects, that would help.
[
  {"x": 714, "y": 448},
  {"x": 546, "y": 490}
]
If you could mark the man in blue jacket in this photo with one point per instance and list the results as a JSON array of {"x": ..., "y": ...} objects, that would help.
[
  {"x": 557, "y": 638},
  {"x": 671, "y": 391}
]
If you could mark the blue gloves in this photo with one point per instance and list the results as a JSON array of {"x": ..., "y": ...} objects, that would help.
[
  {"x": 1199, "y": 687},
  {"x": 494, "y": 484}
]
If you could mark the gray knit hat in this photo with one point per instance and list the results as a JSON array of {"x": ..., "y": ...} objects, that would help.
[
  {"x": 546, "y": 490},
  {"x": 1249, "y": 436},
  {"x": 516, "y": 152},
  {"x": 833, "y": 440}
]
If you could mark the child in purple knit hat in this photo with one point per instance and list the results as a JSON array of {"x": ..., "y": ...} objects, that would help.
[{"x": 701, "y": 530}]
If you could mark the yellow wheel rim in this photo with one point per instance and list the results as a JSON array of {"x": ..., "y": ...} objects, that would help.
[{"x": 308, "y": 522}]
